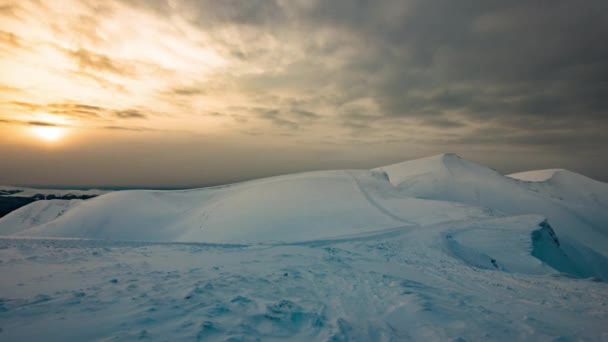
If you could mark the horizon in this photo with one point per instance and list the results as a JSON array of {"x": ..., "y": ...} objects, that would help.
[{"x": 180, "y": 93}]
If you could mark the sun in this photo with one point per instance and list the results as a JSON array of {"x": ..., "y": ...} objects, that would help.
[{"x": 48, "y": 133}]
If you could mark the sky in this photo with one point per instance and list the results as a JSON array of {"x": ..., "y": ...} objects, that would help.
[{"x": 179, "y": 93}]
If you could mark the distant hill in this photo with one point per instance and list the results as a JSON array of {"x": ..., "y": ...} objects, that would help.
[{"x": 12, "y": 198}]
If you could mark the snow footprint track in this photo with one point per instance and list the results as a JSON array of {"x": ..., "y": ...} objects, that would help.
[{"x": 374, "y": 203}]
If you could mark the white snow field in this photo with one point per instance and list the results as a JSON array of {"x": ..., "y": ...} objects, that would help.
[{"x": 438, "y": 248}]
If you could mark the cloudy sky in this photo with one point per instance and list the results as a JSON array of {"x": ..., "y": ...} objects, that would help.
[{"x": 199, "y": 92}]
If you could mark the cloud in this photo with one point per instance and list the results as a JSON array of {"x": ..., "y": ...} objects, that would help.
[
  {"x": 304, "y": 114},
  {"x": 187, "y": 91},
  {"x": 132, "y": 129},
  {"x": 9, "y": 39},
  {"x": 216, "y": 114},
  {"x": 41, "y": 123},
  {"x": 276, "y": 118},
  {"x": 444, "y": 123},
  {"x": 482, "y": 64},
  {"x": 8, "y": 89},
  {"x": 91, "y": 61},
  {"x": 130, "y": 114},
  {"x": 429, "y": 73},
  {"x": 85, "y": 114},
  {"x": 67, "y": 109},
  {"x": 31, "y": 123}
]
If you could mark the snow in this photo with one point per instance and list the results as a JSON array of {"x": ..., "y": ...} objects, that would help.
[
  {"x": 507, "y": 244},
  {"x": 292, "y": 208},
  {"x": 438, "y": 248},
  {"x": 398, "y": 286},
  {"x": 35, "y": 214},
  {"x": 536, "y": 176},
  {"x": 576, "y": 206}
]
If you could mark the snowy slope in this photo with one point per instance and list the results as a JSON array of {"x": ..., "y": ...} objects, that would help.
[
  {"x": 576, "y": 206},
  {"x": 335, "y": 204},
  {"x": 290, "y": 208},
  {"x": 320, "y": 205},
  {"x": 438, "y": 248},
  {"x": 35, "y": 214}
]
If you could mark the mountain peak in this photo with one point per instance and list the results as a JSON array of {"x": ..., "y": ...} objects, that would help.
[{"x": 442, "y": 167}]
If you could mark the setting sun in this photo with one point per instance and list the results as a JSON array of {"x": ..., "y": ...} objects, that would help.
[{"x": 48, "y": 133}]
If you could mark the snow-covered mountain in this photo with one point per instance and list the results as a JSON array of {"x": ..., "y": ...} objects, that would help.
[
  {"x": 12, "y": 197},
  {"x": 418, "y": 243},
  {"x": 327, "y": 204},
  {"x": 15, "y": 191}
]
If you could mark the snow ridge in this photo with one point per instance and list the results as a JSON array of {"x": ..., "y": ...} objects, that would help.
[
  {"x": 433, "y": 249},
  {"x": 537, "y": 175},
  {"x": 329, "y": 204}
]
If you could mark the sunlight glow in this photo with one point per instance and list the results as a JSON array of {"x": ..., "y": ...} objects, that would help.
[{"x": 48, "y": 133}]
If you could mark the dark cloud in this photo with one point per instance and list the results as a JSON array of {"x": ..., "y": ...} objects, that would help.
[
  {"x": 41, "y": 123},
  {"x": 130, "y": 114},
  {"x": 444, "y": 123},
  {"x": 77, "y": 110},
  {"x": 357, "y": 126},
  {"x": 515, "y": 63},
  {"x": 8, "y": 9},
  {"x": 240, "y": 118},
  {"x": 423, "y": 75},
  {"x": 144, "y": 129},
  {"x": 304, "y": 114},
  {"x": 187, "y": 91},
  {"x": 276, "y": 118},
  {"x": 131, "y": 129},
  {"x": 66, "y": 109},
  {"x": 31, "y": 123}
]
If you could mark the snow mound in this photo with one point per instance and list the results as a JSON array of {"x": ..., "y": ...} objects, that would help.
[{"x": 535, "y": 176}]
